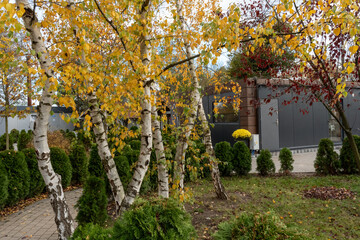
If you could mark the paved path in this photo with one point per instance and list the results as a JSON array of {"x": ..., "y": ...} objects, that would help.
[{"x": 35, "y": 221}]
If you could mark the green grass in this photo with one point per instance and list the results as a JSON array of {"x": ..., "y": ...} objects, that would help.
[{"x": 331, "y": 219}]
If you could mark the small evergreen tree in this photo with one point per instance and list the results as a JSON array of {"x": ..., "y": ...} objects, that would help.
[
  {"x": 61, "y": 164},
  {"x": 37, "y": 183},
  {"x": 265, "y": 164},
  {"x": 327, "y": 160},
  {"x": 79, "y": 163},
  {"x": 347, "y": 158},
  {"x": 4, "y": 184},
  {"x": 242, "y": 158},
  {"x": 223, "y": 152},
  {"x": 24, "y": 139},
  {"x": 14, "y": 133},
  {"x": 286, "y": 160},
  {"x": 95, "y": 166},
  {"x": 93, "y": 202},
  {"x": 135, "y": 144},
  {"x": 123, "y": 168},
  {"x": 3, "y": 142}
]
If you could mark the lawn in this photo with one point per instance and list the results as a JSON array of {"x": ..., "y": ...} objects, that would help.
[{"x": 322, "y": 219}]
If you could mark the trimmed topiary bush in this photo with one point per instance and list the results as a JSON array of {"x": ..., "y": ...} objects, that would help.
[
  {"x": 92, "y": 232},
  {"x": 79, "y": 163},
  {"x": 347, "y": 159},
  {"x": 37, "y": 183},
  {"x": 4, "y": 184},
  {"x": 257, "y": 226},
  {"x": 24, "y": 140},
  {"x": 135, "y": 144},
  {"x": 327, "y": 160},
  {"x": 154, "y": 219},
  {"x": 3, "y": 142},
  {"x": 18, "y": 175},
  {"x": 286, "y": 160},
  {"x": 61, "y": 164},
  {"x": 265, "y": 164},
  {"x": 223, "y": 152},
  {"x": 242, "y": 158},
  {"x": 14, "y": 133},
  {"x": 93, "y": 202}
]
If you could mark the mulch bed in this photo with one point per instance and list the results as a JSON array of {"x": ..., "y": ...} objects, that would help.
[{"x": 326, "y": 193}]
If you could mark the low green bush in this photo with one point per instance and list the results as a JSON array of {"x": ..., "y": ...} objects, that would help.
[
  {"x": 14, "y": 133},
  {"x": 3, "y": 142},
  {"x": 123, "y": 169},
  {"x": 347, "y": 158},
  {"x": 257, "y": 226},
  {"x": 70, "y": 135},
  {"x": 223, "y": 152},
  {"x": 92, "y": 232},
  {"x": 130, "y": 154},
  {"x": 79, "y": 163},
  {"x": 4, "y": 184},
  {"x": 61, "y": 164},
  {"x": 18, "y": 175},
  {"x": 93, "y": 202},
  {"x": 286, "y": 160},
  {"x": 155, "y": 219},
  {"x": 23, "y": 140},
  {"x": 265, "y": 164},
  {"x": 37, "y": 183},
  {"x": 327, "y": 160},
  {"x": 135, "y": 144},
  {"x": 242, "y": 158}
]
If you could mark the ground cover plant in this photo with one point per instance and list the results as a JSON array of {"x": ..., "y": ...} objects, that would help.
[{"x": 321, "y": 219}]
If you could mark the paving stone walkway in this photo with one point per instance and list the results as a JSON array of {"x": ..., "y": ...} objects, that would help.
[{"x": 35, "y": 221}]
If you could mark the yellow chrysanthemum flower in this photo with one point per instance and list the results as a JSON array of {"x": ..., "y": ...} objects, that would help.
[{"x": 241, "y": 133}]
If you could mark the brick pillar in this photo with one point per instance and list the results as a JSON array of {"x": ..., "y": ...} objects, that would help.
[{"x": 248, "y": 111}]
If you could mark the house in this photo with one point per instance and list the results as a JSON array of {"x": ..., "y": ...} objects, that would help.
[{"x": 293, "y": 125}]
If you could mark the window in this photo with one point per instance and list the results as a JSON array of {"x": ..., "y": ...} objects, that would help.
[{"x": 225, "y": 113}]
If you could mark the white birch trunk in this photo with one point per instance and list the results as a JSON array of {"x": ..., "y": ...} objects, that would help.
[
  {"x": 63, "y": 218},
  {"x": 100, "y": 132},
  {"x": 146, "y": 133},
  {"x": 163, "y": 177},
  {"x": 179, "y": 171},
  {"x": 215, "y": 173}
]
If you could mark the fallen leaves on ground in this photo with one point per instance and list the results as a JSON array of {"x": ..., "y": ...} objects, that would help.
[{"x": 325, "y": 193}]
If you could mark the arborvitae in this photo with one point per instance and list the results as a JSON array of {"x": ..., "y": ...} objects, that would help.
[
  {"x": 61, "y": 164},
  {"x": 37, "y": 183},
  {"x": 347, "y": 159},
  {"x": 223, "y": 152},
  {"x": 24, "y": 139},
  {"x": 242, "y": 158},
  {"x": 265, "y": 164},
  {"x": 79, "y": 163},
  {"x": 327, "y": 160},
  {"x": 4, "y": 184},
  {"x": 286, "y": 160}
]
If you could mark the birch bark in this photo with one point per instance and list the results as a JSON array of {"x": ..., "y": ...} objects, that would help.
[{"x": 63, "y": 218}]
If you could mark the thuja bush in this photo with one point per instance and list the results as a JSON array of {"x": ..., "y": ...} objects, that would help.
[
  {"x": 135, "y": 144},
  {"x": 347, "y": 159},
  {"x": 18, "y": 175},
  {"x": 257, "y": 226},
  {"x": 79, "y": 163},
  {"x": 155, "y": 219},
  {"x": 4, "y": 183},
  {"x": 92, "y": 232},
  {"x": 14, "y": 133},
  {"x": 123, "y": 169},
  {"x": 61, "y": 164},
  {"x": 37, "y": 183},
  {"x": 93, "y": 202},
  {"x": 242, "y": 158},
  {"x": 23, "y": 140},
  {"x": 223, "y": 152},
  {"x": 95, "y": 167},
  {"x": 265, "y": 164},
  {"x": 286, "y": 160},
  {"x": 3, "y": 142},
  {"x": 327, "y": 160}
]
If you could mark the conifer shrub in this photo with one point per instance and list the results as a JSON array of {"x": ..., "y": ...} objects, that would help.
[
  {"x": 93, "y": 202},
  {"x": 79, "y": 163},
  {"x": 23, "y": 140},
  {"x": 135, "y": 144},
  {"x": 265, "y": 164},
  {"x": 242, "y": 158},
  {"x": 95, "y": 167},
  {"x": 131, "y": 154},
  {"x": 154, "y": 219},
  {"x": 286, "y": 160},
  {"x": 123, "y": 169},
  {"x": 14, "y": 133},
  {"x": 327, "y": 160},
  {"x": 4, "y": 184},
  {"x": 3, "y": 142},
  {"x": 347, "y": 158},
  {"x": 223, "y": 152},
  {"x": 92, "y": 232},
  {"x": 70, "y": 135},
  {"x": 37, "y": 183},
  {"x": 257, "y": 226},
  {"x": 18, "y": 175},
  {"x": 61, "y": 164}
]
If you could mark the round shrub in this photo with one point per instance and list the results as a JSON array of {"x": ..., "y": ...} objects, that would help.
[
  {"x": 18, "y": 175},
  {"x": 14, "y": 133},
  {"x": 257, "y": 226},
  {"x": 79, "y": 163},
  {"x": 327, "y": 160},
  {"x": 135, "y": 144},
  {"x": 37, "y": 183},
  {"x": 223, "y": 152},
  {"x": 154, "y": 219},
  {"x": 92, "y": 231},
  {"x": 93, "y": 202},
  {"x": 4, "y": 184},
  {"x": 24, "y": 140},
  {"x": 265, "y": 164},
  {"x": 123, "y": 169},
  {"x": 3, "y": 142},
  {"x": 61, "y": 164},
  {"x": 347, "y": 158},
  {"x": 242, "y": 158},
  {"x": 286, "y": 160}
]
